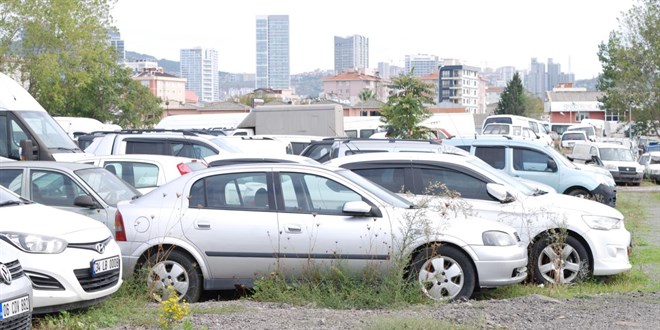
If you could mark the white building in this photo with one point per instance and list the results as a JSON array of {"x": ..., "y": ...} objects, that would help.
[{"x": 199, "y": 67}]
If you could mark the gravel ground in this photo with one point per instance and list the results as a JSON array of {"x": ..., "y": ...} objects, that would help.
[{"x": 635, "y": 310}]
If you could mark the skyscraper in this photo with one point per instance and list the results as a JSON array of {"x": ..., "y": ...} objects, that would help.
[
  {"x": 351, "y": 53},
  {"x": 536, "y": 82},
  {"x": 554, "y": 74},
  {"x": 200, "y": 67},
  {"x": 422, "y": 64},
  {"x": 273, "y": 52},
  {"x": 118, "y": 43}
]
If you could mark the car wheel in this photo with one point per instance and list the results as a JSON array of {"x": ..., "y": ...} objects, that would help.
[
  {"x": 579, "y": 193},
  {"x": 559, "y": 262},
  {"x": 177, "y": 270},
  {"x": 444, "y": 273}
]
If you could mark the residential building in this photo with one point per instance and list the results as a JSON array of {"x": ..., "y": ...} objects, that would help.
[
  {"x": 169, "y": 88},
  {"x": 200, "y": 68},
  {"x": 433, "y": 79},
  {"x": 118, "y": 43},
  {"x": 351, "y": 53},
  {"x": 141, "y": 66},
  {"x": 273, "y": 63},
  {"x": 346, "y": 87},
  {"x": 460, "y": 84},
  {"x": 422, "y": 64}
]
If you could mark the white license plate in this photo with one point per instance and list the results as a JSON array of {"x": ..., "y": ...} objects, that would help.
[
  {"x": 14, "y": 307},
  {"x": 104, "y": 265}
]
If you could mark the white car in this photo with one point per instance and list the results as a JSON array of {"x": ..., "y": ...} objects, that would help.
[
  {"x": 651, "y": 163},
  {"x": 72, "y": 260},
  {"x": 596, "y": 239},
  {"x": 15, "y": 290},
  {"x": 146, "y": 172},
  {"x": 228, "y": 225},
  {"x": 248, "y": 158}
]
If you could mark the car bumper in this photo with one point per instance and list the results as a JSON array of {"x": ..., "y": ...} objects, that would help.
[
  {"x": 627, "y": 178},
  {"x": 128, "y": 260},
  {"x": 610, "y": 250},
  {"x": 605, "y": 194},
  {"x": 63, "y": 281},
  {"x": 500, "y": 265}
]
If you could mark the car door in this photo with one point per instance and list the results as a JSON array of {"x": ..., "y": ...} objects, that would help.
[
  {"x": 316, "y": 232},
  {"x": 533, "y": 165},
  {"x": 239, "y": 238}
]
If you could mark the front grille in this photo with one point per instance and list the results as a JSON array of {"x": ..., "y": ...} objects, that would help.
[
  {"x": 44, "y": 282},
  {"x": 627, "y": 170},
  {"x": 17, "y": 323},
  {"x": 97, "y": 283},
  {"x": 15, "y": 269}
]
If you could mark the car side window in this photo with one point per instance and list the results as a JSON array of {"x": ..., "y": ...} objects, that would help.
[
  {"x": 429, "y": 181},
  {"x": 530, "y": 160},
  {"x": 54, "y": 188},
  {"x": 137, "y": 174},
  {"x": 391, "y": 179},
  {"x": 12, "y": 179},
  {"x": 202, "y": 151},
  {"x": 324, "y": 196},
  {"x": 248, "y": 191},
  {"x": 494, "y": 156},
  {"x": 144, "y": 147}
]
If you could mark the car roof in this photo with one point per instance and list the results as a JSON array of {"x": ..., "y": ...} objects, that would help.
[
  {"x": 48, "y": 164},
  {"x": 139, "y": 157},
  {"x": 247, "y": 158},
  {"x": 395, "y": 156}
]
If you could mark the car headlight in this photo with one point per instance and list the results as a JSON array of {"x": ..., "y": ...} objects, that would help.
[
  {"x": 31, "y": 243},
  {"x": 497, "y": 238},
  {"x": 601, "y": 222},
  {"x": 607, "y": 180}
]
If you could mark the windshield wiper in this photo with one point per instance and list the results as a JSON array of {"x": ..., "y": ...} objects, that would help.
[
  {"x": 64, "y": 148},
  {"x": 8, "y": 203}
]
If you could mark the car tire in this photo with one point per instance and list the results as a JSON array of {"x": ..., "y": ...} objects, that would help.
[
  {"x": 579, "y": 192},
  {"x": 177, "y": 269},
  {"x": 431, "y": 266},
  {"x": 559, "y": 262}
]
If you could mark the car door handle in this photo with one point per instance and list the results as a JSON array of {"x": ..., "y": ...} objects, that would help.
[
  {"x": 203, "y": 225},
  {"x": 294, "y": 229}
]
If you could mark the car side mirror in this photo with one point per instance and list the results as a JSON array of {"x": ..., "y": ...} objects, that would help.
[
  {"x": 85, "y": 201},
  {"x": 552, "y": 165},
  {"x": 500, "y": 193},
  {"x": 28, "y": 150},
  {"x": 358, "y": 208}
]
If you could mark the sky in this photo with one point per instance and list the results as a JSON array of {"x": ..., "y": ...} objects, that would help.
[{"x": 482, "y": 33}]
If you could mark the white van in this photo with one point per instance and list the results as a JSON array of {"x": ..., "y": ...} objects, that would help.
[
  {"x": 27, "y": 131},
  {"x": 535, "y": 125},
  {"x": 76, "y": 126},
  {"x": 588, "y": 129}
]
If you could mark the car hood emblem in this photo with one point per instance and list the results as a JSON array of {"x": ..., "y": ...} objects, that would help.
[
  {"x": 100, "y": 247},
  {"x": 5, "y": 274}
]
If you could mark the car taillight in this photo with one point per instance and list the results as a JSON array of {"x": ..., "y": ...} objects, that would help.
[
  {"x": 183, "y": 168},
  {"x": 120, "y": 233}
]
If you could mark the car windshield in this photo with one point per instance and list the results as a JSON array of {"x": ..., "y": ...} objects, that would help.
[
  {"x": 50, "y": 132},
  {"x": 107, "y": 185},
  {"x": 379, "y": 191},
  {"x": 502, "y": 177},
  {"x": 616, "y": 154},
  {"x": 572, "y": 136}
]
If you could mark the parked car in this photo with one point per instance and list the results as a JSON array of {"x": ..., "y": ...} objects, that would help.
[
  {"x": 618, "y": 159},
  {"x": 569, "y": 138},
  {"x": 186, "y": 143},
  {"x": 534, "y": 161},
  {"x": 81, "y": 188},
  {"x": 522, "y": 132},
  {"x": 15, "y": 290},
  {"x": 588, "y": 129},
  {"x": 238, "y": 223},
  {"x": 72, "y": 261},
  {"x": 146, "y": 172},
  {"x": 597, "y": 241},
  {"x": 651, "y": 163},
  {"x": 326, "y": 149}
]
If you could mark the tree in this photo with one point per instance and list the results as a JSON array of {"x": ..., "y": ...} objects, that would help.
[
  {"x": 405, "y": 107},
  {"x": 631, "y": 67},
  {"x": 61, "y": 50},
  {"x": 513, "y": 100}
]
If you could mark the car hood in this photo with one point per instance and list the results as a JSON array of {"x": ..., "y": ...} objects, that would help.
[
  {"x": 49, "y": 221},
  {"x": 560, "y": 203}
]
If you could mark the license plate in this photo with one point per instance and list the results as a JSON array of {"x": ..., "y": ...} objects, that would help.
[
  {"x": 14, "y": 307},
  {"x": 104, "y": 265}
]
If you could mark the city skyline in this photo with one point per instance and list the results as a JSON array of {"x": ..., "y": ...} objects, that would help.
[{"x": 481, "y": 33}]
